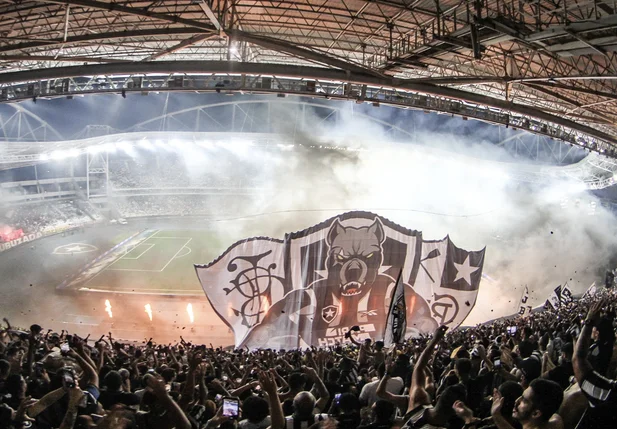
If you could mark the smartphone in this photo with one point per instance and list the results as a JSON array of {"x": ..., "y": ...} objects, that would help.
[
  {"x": 64, "y": 348},
  {"x": 231, "y": 407},
  {"x": 497, "y": 363},
  {"x": 337, "y": 398}
]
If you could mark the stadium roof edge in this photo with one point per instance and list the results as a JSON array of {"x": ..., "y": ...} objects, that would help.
[{"x": 38, "y": 82}]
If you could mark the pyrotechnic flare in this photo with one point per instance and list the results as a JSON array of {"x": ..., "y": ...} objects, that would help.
[
  {"x": 108, "y": 307},
  {"x": 149, "y": 311},
  {"x": 189, "y": 309}
]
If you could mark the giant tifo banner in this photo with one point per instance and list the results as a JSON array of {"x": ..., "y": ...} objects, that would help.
[{"x": 311, "y": 287}]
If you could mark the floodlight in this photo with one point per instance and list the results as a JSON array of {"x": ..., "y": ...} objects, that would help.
[
  {"x": 58, "y": 155},
  {"x": 146, "y": 144}
]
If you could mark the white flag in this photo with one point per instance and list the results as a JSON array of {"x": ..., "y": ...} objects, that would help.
[
  {"x": 524, "y": 309},
  {"x": 591, "y": 291}
]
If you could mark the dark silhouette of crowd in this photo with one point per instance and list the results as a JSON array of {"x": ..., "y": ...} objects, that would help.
[{"x": 552, "y": 369}]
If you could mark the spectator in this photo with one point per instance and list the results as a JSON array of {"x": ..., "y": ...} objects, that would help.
[{"x": 394, "y": 385}]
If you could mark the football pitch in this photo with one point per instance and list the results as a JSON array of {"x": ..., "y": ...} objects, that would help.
[{"x": 154, "y": 262}]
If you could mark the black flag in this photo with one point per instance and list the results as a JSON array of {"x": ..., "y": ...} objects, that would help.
[{"x": 396, "y": 323}]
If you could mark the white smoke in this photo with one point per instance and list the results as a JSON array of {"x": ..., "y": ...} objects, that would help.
[{"x": 536, "y": 235}]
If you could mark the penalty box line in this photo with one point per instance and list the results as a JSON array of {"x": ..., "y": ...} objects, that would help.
[
  {"x": 151, "y": 246},
  {"x": 176, "y": 254},
  {"x": 141, "y": 254}
]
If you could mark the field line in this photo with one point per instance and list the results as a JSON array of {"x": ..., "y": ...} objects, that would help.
[
  {"x": 176, "y": 254},
  {"x": 163, "y": 238},
  {"x": 137, "y": 292},
  {"x": 141, "y": 254}
]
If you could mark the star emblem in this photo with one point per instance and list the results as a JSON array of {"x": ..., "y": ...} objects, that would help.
[
  {"x": 69, "y": 249},
  {"x": 464, "y": 271},
  {"x": 329, "y": 313}
]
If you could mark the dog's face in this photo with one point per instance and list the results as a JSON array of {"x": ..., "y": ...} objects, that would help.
[{"x": 354, "y": 257}]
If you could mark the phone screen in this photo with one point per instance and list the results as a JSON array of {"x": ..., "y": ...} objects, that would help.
[
  {"x": 337, "y": 397},
  {"x": 64, "y": 348},
  {"x": 231, "y": 407},
  {"x": 497, "y": 363}
]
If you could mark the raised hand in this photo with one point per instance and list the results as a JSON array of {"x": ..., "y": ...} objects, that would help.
[
  {"x": 462, "y": 411},
  {"x": 21, "y": 413},
  {"x": 267, "y": 381},
  {"x": 195, "y": 361},
  {"x": 440, "y": 332},
  {"x": 309, "y": 371},
  {"x": 497, "y": 403},
  {"x": 595, "y": 311},
  {"x": 156, "y": 385},
  {"x": 389, "y": 364}
]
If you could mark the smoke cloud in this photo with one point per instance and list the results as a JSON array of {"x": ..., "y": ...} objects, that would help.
[{"x": 539, "y": 235}]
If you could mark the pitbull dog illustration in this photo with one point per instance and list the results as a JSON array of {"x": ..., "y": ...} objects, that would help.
[
  {"x": 353, "y": 293},
  {"x": 355, "y": 257}
]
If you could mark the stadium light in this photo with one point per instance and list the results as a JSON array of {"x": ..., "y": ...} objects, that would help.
[
  {"x": 58, "y": 155},
  {"x": 146, "y": 144},
  {"x": 95, "y": 149},
  {"x": 43, "y": 157},
  {"x": 126, "y": 148}
]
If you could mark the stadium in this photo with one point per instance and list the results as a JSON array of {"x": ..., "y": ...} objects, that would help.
[{"x": 141, "y": 139}]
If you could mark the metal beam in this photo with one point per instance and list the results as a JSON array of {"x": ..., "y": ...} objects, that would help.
[
  {"x": 296, "y": 51},
  {"x": 206, "y": 8},
  {"x": 117, "y": 7},
  {"x": 75, "y": 59},
  {"x": 101, "y": 36},
  {"x": 421, "y": 87},
  {"x": 583, "y": 40},
  {"x": 185, "y": 43}
]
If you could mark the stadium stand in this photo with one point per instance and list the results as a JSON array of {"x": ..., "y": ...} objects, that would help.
[{"x": 552, "y": 369}]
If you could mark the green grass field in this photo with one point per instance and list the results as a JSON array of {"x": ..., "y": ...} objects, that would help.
[{"x": 159, "y": 262}]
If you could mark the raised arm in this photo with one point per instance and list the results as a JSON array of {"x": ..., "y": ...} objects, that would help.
[
  {"x": 91, "y": 376},
  {"x": 189, "y": 385},
  {"x": 581, "y": 365},
  {"x": 399, "y": 401},
  {"x": 276, "y": 409},
  {"x": 418, "y": 394},
  {"x": 319, "y": 387},
  {"x": 75, "y": 397},
  {"x": 177, "y": 416},
  {"x": 45, "y": 402}
]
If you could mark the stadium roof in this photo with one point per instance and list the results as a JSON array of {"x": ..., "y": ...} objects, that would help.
[{"x": 546, "y": 66}]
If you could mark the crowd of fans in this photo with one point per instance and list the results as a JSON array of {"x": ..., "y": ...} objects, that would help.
[
  {"x": 553, "y": 369},
  {"x": 47, "y": 217},
  {"x": 178, "y": 205},
  {"x": 172, "y": 171}
]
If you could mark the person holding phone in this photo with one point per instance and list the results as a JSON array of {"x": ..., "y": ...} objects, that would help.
[{"x": 231, "y": 408}]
